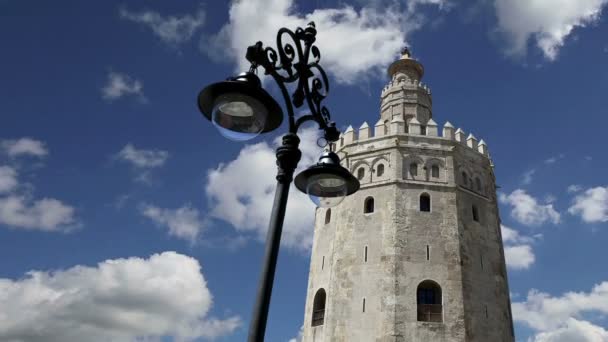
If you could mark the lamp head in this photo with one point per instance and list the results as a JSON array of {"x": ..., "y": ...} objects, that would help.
[
  {"x": 240, "y": 108},
  {"x": 327, "y": 183}
]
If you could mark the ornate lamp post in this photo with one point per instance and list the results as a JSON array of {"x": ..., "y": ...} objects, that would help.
[{"x": 241, "y": 109}]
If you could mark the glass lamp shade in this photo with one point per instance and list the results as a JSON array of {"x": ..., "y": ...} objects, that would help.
[
  {"x": 327, "y": 183},
  {"x": 240, "y": 108}
]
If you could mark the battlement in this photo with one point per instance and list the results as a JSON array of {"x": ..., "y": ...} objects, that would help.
[
  {"x": 401, "y": 83},
  {"x": 414, "y": 129}
]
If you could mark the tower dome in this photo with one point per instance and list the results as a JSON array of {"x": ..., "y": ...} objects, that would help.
[{"x": 405, "y": 95}]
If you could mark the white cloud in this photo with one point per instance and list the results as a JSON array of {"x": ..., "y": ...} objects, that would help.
[
  {"x": 592, "y": 205},
  {"x": 557, "y": 319},
  {"x": 526, "y": 209},
  {"x": 353, "y": 43},
  {"x": 528, "y": 176},
  {"x": 119, "y": 300},
  {"x": 8, "y": 179},
  {"x": 554, "y": 159},
  {"x": 299, "y": 337},
  {"x": 547, "y": 22},
  {"x": 119, "y": 85},
  {"x": 518, "y": 249},
  {"x": 172, "y": 30},
  {"x": 241, "y": 192},
  {"x": 47, "y": 214},
  {"x": 574, "y": 331},
  {"x": 184, "y": 222},
  {"x": 24, "y": 146},
  {"x": 142, "y": 158},
  {"x": 574, "y": 188}
]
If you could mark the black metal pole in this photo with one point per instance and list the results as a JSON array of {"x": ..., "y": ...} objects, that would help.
[{"x": 288, "y": 156}]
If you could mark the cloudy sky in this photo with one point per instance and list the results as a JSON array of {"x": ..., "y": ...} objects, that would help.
[{"x": 125, "y": 215}]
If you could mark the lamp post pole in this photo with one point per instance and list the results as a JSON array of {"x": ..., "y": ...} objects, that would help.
[{"x": 288, "y": 156}]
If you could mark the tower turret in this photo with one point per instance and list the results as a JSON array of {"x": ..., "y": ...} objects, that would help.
[{"x": 405, "y": 95}]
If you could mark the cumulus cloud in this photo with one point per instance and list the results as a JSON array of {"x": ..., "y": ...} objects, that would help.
[
  {"x": 353, "y": 43},
  {"x": 184, "y": 223},
  {"x": 299, "y": 337},
  {"x": 591, "y": 205},
  {"x": 118, "y": 300},
  {"x": 241, "y": 192},
  {"x": 526, "y": 209},
  {"x": 528, "y": 176},
  {"x": 47, "y": 214},
  {"x": 172, "y": 30},
  {"x": 557, "y": 318},
  {"x": 8, "y": 179},
  {"x": 546, "y": 22},
  {"x": 574, "y": 331},
  {"x": 24, "y": 146},
  {"x": 19, "y": 210},
  {"x": 518, "y": 249},
  {"x": 119, "y": 85},
  {"x": 574, "y": 188},
  {"x": 142, "y": 160}
]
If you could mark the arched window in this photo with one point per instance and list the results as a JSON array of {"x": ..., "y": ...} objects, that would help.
[
  {"x": 477, "y": 184},
  {"x": 368, "y": 206},
  {"x": 475, "y": 213},
  {"x": 465, "y": 179},
  {"x": 435, "y": 171},
  {"x": 328, "y": 216},
  {"x": 425, "y": 202},
  {"x": 360, "y": 173},
  {"x": 318, "y": 308},
  {"x": 428, "y": 296},
  {"x": 413, "y": 169},
  {"x": 380, "y": 170}
]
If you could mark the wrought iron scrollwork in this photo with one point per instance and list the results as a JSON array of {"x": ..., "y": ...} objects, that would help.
[{"x": 296, "y": 59}]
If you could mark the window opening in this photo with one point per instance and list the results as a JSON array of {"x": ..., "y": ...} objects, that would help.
[
  {"x": 380, "y": 170},
  {"x": 464, "y": 178},
  {"x": 363, "y": 304},
  {"x": 323, "y": 262},
  {"x": 413, "y": 169},
  {"x": 365, "y": 254},
  {"x": 423, "y": 130},
  {"x": 369, "y": 205},
  {"x": 435, "y": 171},
  {"x": 428, "y": 296},
  {"x": 318, "y": 308},
  {"x": 425, "y": 202},
  {"x": 477, "y": 184},
  {"x": 327, "y": 216},
  {"x": 360, "y": 173},
  {"x": 475, "y": 214},
  {"x": 428, "y": 253}
]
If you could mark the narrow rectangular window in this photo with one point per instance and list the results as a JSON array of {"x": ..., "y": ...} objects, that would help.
[
  {"x": 481, "y": 260},
  {"x": 323, "y": 262},
  {"x": 363, "y": 304},
  {"x": 428, "y": 252},
  {"x": 486, "y": 311},
  {"x": 365, "y": 254}
]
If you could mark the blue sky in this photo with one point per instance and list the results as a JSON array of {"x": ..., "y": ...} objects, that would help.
[{"x": 114, "y": 190}]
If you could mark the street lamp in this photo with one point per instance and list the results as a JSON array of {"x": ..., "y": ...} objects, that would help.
[{"x": 241, "y": 109}]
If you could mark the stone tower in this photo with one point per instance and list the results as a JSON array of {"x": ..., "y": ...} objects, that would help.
[{"x": 416, "y": 254}]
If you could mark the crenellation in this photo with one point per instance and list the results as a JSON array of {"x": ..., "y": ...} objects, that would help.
[
  {"x": 431, "y": 128},
  {"x": 349, "y": 135},
  {"x": 414, "y": 126},
  {"x": 448, "y": 131},
  {"x": 472, "y": 141},
  {"x": 460, "y": 136},
  {"x": 364, "y": 131},
  {"x": 397, "y": 125},
  {"x": 483, "y": 148},
  {"x": 380, "y": 129}
]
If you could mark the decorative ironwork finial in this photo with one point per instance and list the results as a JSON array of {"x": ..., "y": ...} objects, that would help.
[{"x": 405, "y": 52}]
